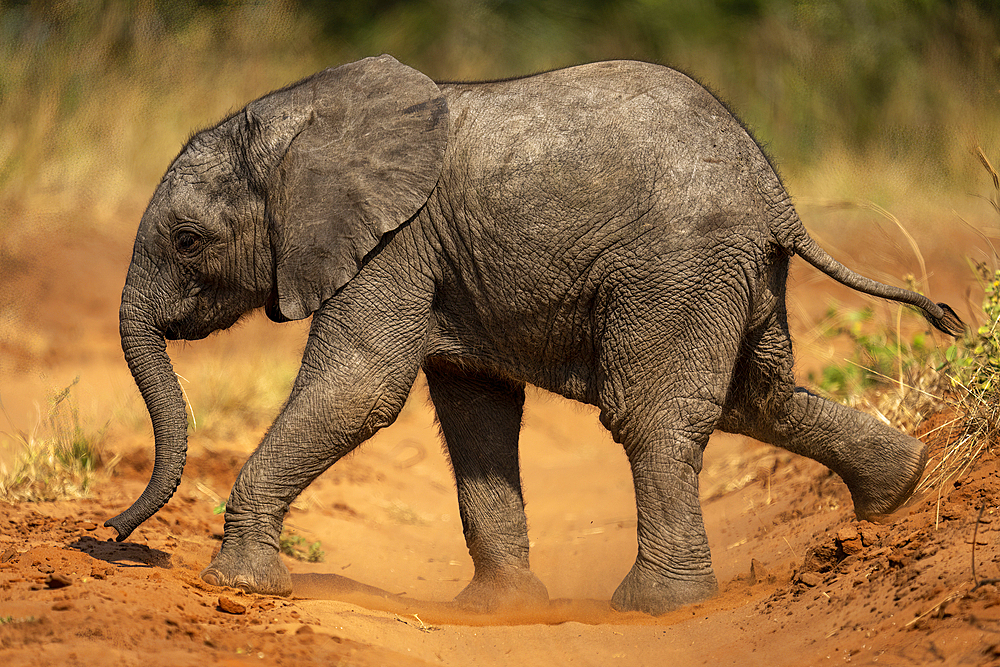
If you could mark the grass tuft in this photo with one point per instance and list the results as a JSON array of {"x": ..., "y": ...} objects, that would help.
[
  {"x": 290, "y": 543},
  {"x": 57, "y": 460},
  {"x": 226, "y": 401}
]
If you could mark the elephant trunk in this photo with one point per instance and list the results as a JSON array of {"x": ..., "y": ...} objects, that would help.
[{"x": 145, "y": 351}]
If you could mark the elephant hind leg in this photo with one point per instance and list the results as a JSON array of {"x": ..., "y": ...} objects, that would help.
[
  {"x": 673, "y": 566},
  {"x": 880, "y": 465},
  {"x": 661, "y": 403},
  {"x": 480, "y": 419}
]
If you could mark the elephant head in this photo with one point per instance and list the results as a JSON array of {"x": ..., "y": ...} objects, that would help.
[{"x": 276, "y": 206}]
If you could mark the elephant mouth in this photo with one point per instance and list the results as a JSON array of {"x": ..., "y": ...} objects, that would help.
[
  {"x": 272, "y": 310},
  {"x": 175, "y": 332},
  {"x": 199, "y": 325}
]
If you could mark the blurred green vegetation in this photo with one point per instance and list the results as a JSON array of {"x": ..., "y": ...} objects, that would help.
[{"x": 96, "y": 97}]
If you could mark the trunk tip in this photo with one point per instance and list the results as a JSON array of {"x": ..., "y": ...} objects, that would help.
[{"x": 123, "y": 531}]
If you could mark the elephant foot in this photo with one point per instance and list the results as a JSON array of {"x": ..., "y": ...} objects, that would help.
[
  {"x": 889, "y": 488},
  {"x": 265, "y": 575},
  {"x": 516, "y": 588},
  {"x": 644, "y": 591}
]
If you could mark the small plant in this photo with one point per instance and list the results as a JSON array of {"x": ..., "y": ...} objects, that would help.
[
  {"x": 877, "y": 355},
  {"x": 11, "y": 620},
  {"x": 975, "y": 361},
  {"x": 299, "y": 548},
  {"x": 291, "y": 544},
  {"x": 58, "y": 459}
]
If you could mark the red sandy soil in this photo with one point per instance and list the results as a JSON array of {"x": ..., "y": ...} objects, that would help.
[{"x": 802, "y": 582}]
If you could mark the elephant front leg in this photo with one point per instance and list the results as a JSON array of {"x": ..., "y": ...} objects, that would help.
[
  {"x": 480, "y": 419},
  {"x": 248, "y": 558},
  {"x": 325, "y": 418}
]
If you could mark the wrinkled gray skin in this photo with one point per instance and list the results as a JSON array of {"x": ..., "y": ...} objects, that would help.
[{"x": 608, "y": 232}]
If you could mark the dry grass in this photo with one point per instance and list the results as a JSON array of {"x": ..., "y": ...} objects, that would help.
[
  {"x": 951, "y": 398},
  {"x": 57, "y": 460},
  {"x": 958, "y": 422},
  {"x": 235, "y": 399},
  {"x": 95, "y": 103}
]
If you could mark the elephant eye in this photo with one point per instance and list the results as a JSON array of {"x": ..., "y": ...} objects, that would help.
[{"x": 187, "y": 242}]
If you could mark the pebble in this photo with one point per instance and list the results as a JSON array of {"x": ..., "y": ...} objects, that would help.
[{"x": 231, "y": 605}]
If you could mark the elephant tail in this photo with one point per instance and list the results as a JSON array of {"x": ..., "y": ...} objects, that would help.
[{"x": 940, "y": 315}]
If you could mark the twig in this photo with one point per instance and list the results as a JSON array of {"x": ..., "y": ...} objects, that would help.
[
  {"x": 899, "y": 346},
  {"x": 933, "y": 609},
  {"x": 942, "y": 399},
  {"x": 423, "y": 626},
  {"x": 872, "y": 206},
  {"x": 187, "y": 401},
  {"x": 206, "y": 490},
  {"x": 981, "y": 235},
  {"x": 993, "y": 172}
]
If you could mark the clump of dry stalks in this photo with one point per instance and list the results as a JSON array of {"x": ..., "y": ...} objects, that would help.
[
  {"x": 956, "y": 419},
  {"x": 58, "y": 459}
]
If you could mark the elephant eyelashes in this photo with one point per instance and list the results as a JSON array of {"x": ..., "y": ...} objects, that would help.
[{"x": 187, "y": 243}]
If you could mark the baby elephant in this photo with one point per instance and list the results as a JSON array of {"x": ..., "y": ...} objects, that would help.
[{"x": 608, "y": 232}]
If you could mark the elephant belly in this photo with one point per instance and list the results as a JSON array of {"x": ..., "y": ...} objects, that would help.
[{"x": 534, "y": 340}]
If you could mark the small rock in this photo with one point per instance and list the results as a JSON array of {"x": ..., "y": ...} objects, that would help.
[
  {"x": 849, "y": 540},
  {"x": 231, "y": 605},
  {"x": 869, "y": 535},
  {"x": 848, "y": 533},
  {"x": 58, "y": 580},
  {"x": 852, "y": 548},
  {"x": 821, "y": 557},
  {"x": 758, "y": 573},
  {"x": 810, "y": 578}
]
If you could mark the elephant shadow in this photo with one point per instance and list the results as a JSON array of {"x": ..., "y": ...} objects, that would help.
[
  {"x": 124, "y": 554},
  {"x": 336, "y": 587},
  {"x": 317, "y": 586}
]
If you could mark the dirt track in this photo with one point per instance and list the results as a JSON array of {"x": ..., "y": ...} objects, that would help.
[{"x": 802, "y": 582}]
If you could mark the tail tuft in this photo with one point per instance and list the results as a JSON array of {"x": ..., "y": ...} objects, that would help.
[{"x": 948, "y": 321}]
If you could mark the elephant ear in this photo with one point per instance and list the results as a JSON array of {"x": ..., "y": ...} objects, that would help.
[{"x": 361, "y": 148}]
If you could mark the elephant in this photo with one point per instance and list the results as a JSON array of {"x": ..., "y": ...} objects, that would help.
[{"x": 609, "y": 232}]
